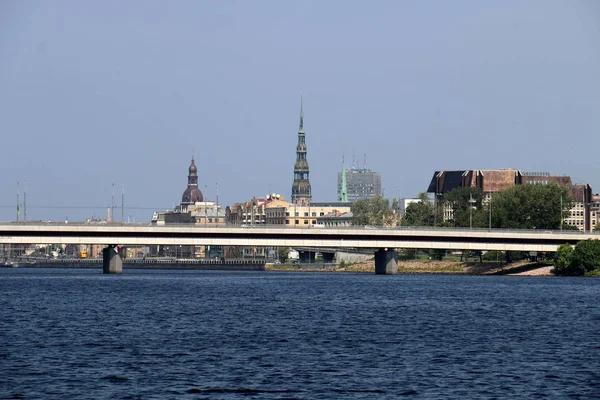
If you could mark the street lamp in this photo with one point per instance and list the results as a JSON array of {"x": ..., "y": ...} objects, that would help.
[
  {"x": 205, "y": 199},
  {"x": 470, "y": 210},
  {"x": 490, "y": 210},
  {"x": 399, "y": 212}
]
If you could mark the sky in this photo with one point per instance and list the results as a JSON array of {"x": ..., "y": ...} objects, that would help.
[{"x": 96, "y": 94}]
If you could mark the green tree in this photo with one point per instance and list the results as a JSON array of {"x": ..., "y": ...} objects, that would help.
[
  {"x": 563, "y": 259},
  {"x": 466, "y": 205},
  {"x": 283, "y": 254},
  {"x": 586, "y": 256},
  {"x": 437, "y": 254},
  {"x": 597, "y": 228},
  {"x": 376, "y": 211},
  {"x": 530, "y": 206},
  {"x": 420, "y": 213}
]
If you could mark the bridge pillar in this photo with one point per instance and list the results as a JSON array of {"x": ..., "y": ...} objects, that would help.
[
  {"x": 386, "y": 262},
  {"x": 307, "y": 256},
  {"x": 111, "y": 260},
  {"x": 328, "y": 257}
]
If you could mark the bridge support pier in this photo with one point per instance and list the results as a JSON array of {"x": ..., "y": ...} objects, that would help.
[
  {"x": 111, "y": 260},
  {"x": 328, "y": 257},
  {"x": 307, "y": 256},
  {"x": 386, "y": 262}
]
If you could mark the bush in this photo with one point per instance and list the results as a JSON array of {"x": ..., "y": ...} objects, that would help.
[
  {"x": 586, "y": 257},
  {"x": 583, "y": 260},
  {"x": 563, "y": 259}
]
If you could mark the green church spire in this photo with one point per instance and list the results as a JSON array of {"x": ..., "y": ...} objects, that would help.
[{"x": 343, "y": 196}]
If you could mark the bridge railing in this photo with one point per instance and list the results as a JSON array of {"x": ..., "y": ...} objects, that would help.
[{"x": 290, "y": 228}]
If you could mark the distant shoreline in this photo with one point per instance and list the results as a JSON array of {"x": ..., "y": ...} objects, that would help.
[{"x": 404, "y": 267}]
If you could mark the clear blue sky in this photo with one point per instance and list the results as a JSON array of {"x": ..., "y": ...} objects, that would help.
[{"x": 96, "y": 93}]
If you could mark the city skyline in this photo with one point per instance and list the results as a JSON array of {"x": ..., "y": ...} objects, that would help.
[{"x": 93, "y": 97}]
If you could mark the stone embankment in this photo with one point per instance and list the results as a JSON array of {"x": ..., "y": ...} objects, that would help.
[{"x": 453, "y": 267}]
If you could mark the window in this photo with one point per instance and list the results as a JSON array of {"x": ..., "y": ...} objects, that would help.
[
  {"x": 306, "y": 214},
  {"x": 287, "y": 221},
  {"x": 305, "y": 222},
  {"x": 314, "y": 214},
  {"x": 297, "y": 222}
]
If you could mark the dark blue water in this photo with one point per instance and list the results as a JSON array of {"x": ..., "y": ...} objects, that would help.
[{"x": 190, "y": 334}]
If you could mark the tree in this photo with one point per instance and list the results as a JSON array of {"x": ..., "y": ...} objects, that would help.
[
  {"x": 466, "y": 206},
  {"x": 420, "y": 213},
  {"x": 597, "y": 228},
  {"x": 376, "y": 211},
  {"x": 283, "y": 254},
  {"x": 563, "y": 259},
  {"x": 531, "y": 206},
  {"x": 437, "y": 254},
  {"x": 586, "y": 256}
]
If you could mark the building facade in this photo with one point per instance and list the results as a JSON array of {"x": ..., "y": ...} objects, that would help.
[
  {"x": 582, "y": 215},
  {"x": 296, "y": 216}
]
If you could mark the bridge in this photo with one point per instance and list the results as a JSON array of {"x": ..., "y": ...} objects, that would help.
[{"x": 382, "y": 240}]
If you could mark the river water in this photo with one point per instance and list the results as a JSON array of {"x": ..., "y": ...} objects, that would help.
[{"x": 209, "y": 335}]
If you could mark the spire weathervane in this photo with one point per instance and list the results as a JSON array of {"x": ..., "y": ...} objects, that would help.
[{"x": 301, "y": 129}]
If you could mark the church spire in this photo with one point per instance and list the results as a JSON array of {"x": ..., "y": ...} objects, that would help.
[{"x": 301, "y": 190}]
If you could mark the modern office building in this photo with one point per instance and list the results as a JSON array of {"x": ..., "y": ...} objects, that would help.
[{"x": 358, "y": 183}]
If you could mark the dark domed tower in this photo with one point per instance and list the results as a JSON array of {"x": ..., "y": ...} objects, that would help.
[
  {"x": 192, "y": 194},
  {"x": 301, "y": 191}
]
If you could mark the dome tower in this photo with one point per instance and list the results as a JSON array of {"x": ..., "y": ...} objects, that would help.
[{"x": 192, "y": 194}]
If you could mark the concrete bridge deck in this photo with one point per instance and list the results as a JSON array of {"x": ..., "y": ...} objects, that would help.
[{"x": 404, "y": 237}]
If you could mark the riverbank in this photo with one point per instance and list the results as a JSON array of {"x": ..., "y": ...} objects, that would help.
[{"x": 433, "y": 267}]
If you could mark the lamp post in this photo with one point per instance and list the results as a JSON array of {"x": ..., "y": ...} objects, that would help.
[
  {"x": 122, "y": 202},
  {"x": 18, "y": 210},
  {"x": 561, "y": 210},
  {"x": 470, "y": 210},
  {"x": 205, "y": 199},
  {"x": 399, "y": 212},
  {"x": 490, "y": 211},
  {"x": 217, "y": 203}
]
